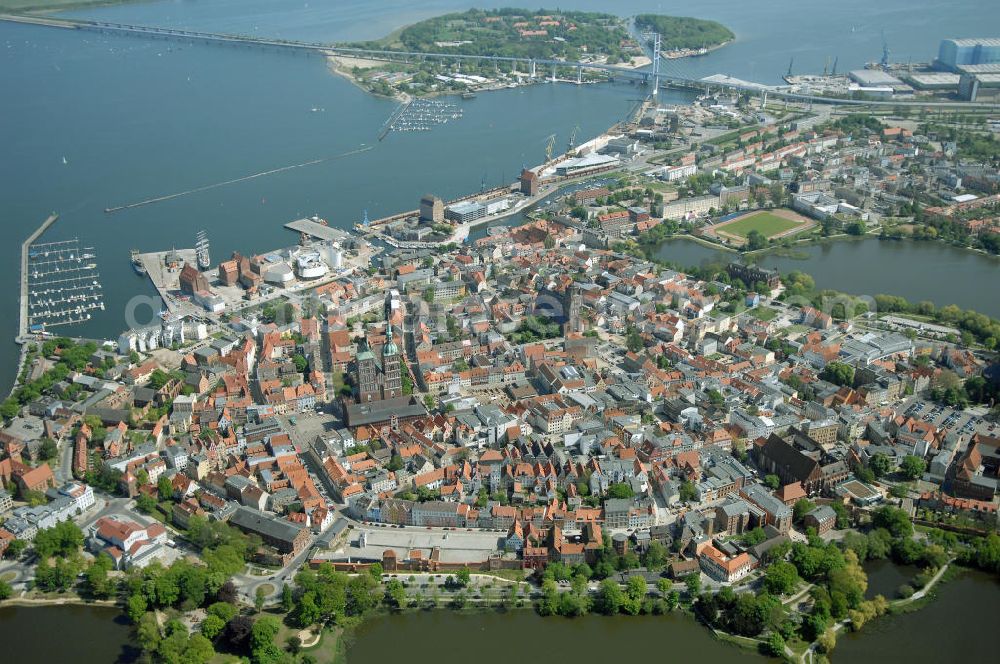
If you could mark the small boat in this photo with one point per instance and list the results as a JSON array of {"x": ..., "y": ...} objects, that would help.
[
  {"x": 64, "y": 161},
  {"x": 137, "y": 262},
  {"x": 468, "y": 95}
]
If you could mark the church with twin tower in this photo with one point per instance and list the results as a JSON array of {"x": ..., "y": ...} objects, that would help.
[{"x": 379, "y": 375}]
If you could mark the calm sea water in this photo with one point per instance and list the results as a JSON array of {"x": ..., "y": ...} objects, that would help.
[
  {"x": 136, "y": 119},
  {"x": 768, "y": 34}
]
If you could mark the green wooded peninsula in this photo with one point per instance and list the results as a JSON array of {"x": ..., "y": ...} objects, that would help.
[
  {"x": 683, "y": 32},
  {"x": 550, "y": 34}
]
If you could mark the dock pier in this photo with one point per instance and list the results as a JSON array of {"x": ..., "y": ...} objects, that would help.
[
  {"x": 22, "y": 322},
  {"x": 22, "y": 318},
  {"x": 163, "y": 269}
]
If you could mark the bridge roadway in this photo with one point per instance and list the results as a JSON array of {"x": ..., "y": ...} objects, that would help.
[{"x": 325, "y": 49}]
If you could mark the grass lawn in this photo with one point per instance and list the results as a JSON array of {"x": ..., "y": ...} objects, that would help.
[
  {"x": 763, "y": 313},
  {"x": 508, "y": 574},
  {"x": 765, "y": 223},
  {"x": 337, "y": 380},
  {"x": 729, "y": 136},
  {"x": 330, "y": 649},
  {"x": 327, "y": 651},
  {"x": 919, "y": 317},
  {"x": 661, "y": 187},
  {"x": 223, "y": 658},
  {"x": 797, "y": 646}
]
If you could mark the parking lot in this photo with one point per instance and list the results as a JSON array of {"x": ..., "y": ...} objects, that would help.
[
  {"x": 307, "y": 427},
  {"x": 311, "y": 424},
  {"x": 612, "y": 356},
  {"x": 964, "y": 422}
]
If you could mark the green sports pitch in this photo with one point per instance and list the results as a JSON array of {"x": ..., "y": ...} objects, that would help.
[{"x": 766, "y": 223}]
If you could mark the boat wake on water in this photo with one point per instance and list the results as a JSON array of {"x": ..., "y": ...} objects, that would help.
[{"x": 273, "y": 171}]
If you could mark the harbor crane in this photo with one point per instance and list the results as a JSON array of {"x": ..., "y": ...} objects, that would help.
[
  {"x": 549, "y": 145},
  {"x": 572, "y": 139}
]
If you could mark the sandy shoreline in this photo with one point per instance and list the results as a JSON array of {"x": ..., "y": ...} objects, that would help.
[
  {"x": 343, "y": 66},
  {"x": 710, "y": 49},
  {"x": 637, "y": 62}
]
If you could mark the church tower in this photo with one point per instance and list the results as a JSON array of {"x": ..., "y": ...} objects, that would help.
[
  {"x": 368, "y": 383},
  {"x": 392, "y": 385}
]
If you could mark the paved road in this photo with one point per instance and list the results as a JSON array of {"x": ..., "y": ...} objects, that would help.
[
  {"x": 64, "y": 473},
  {"x": 247, "y": 584},
  {"x": 107, "y": 506},
  {"x": 23, "y": 570}
]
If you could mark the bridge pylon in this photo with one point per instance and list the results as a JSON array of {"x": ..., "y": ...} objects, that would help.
[{"x": 656, "y": 63}]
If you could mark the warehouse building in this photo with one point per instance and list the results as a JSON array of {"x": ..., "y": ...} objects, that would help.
[
  {"x": 932, "y": 80},
  {"x": 580, "y": 165},
  {"x": 287, "y": 537},
  {"x": 871, "y": 78}
]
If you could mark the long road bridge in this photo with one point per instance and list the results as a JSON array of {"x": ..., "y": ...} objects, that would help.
[{"x": 533, "y": 66}]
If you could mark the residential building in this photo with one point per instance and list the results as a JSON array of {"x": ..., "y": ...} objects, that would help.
[{"x": 724, "y": 568}]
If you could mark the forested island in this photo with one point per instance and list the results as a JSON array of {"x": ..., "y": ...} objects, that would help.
[
  {"x": 678, "y": 33},
  {"x": 544, "y": 34},
  {"x": 522, "y": 33}
]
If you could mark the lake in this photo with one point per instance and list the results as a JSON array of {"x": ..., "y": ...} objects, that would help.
[
  {"x": 885, "y": 578},
  {"x": 957, "y": 626},
  {"x": 443, "y": 637},
  {"x": 84, "y": 634},
  {"x": 915, "y": 270},
  {"x": 954, "y": 627}
]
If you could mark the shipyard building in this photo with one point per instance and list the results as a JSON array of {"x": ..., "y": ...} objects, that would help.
[{"x": 954, "y": 53}]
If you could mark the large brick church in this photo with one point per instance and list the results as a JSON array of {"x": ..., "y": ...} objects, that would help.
[{"x": 378, "y": 375}]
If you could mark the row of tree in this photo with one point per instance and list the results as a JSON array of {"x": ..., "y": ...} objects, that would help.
[{"x": 609, "y": 599}]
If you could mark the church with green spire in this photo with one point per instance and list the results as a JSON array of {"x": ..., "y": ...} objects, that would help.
[{"x": 378, "y": 373}]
